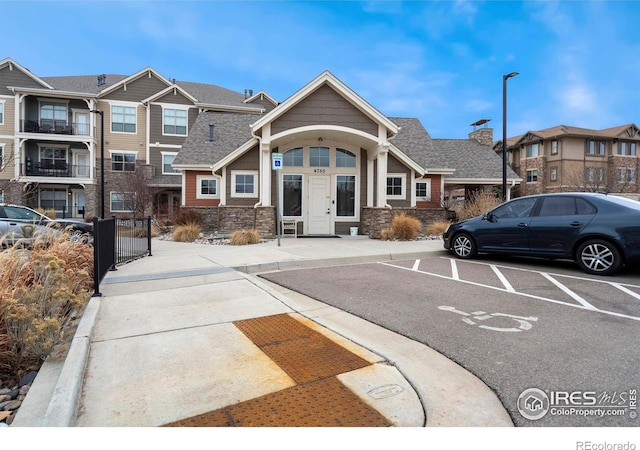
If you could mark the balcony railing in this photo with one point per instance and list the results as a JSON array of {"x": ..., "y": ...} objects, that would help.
[
  {"x": 59, "y": 169},
  {"x": 49, "y": 126}
]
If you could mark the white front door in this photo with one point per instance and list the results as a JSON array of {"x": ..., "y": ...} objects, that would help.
[
  {"x": 319, "y": 205},
  {"x": 81, "y": 164},
  {"x": 81, "y": 122}
]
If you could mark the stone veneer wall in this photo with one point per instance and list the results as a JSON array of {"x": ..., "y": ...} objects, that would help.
[
  {"x": 374, "y": 220},
  {"x": 226, "y": 219}
]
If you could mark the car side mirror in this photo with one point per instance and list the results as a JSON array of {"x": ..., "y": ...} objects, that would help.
[{"x": 490, "y": 217}]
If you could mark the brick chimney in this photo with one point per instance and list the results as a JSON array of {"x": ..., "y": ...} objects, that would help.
[{"x": 483, "y": 135}]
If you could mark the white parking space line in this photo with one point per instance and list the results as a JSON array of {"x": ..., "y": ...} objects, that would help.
[
  {"x": 455, "y": 277},
  {"x": 625, "y": 290},
  {"x": 416, "y": 264},
  {"x": 502, "y": 278},
  {"x": 454, "y": 270},
  {"x": 569, "y": 292}
]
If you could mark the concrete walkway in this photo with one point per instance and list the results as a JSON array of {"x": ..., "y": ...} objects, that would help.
[{"x": 163, "y": 344}]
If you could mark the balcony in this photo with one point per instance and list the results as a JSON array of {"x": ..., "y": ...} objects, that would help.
[
  {"x": 57, "y": 169},
  {"x": 48, "y": 126}
]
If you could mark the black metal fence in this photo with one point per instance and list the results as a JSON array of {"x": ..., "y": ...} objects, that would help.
[{"x": 117, "y": 241}]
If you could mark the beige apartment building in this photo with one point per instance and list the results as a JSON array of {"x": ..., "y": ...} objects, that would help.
[{"x": 565, "y": 158}]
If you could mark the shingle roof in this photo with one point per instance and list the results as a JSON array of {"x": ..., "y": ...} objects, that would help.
[
  {"x": 471, "y": 159},
  {"x": 231, "y": 130},
  {"x": 414, "y": 141},
  {"x": 211, "y": 94},
  {"x": 83, "y": 83}
]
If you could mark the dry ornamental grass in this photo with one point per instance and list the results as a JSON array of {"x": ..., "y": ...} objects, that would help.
[
  {"x": 42, "y": 290},
  {"x": 244, "y": 237}
]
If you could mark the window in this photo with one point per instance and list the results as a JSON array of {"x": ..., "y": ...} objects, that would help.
[
  {"x": 292, "y": 195},
  {"x": 53, "y": 158},
  {"x": 55, "y": 199},
  {"x": 595, "y": 174},
  {"x": 207, "y": 187},
  {"x": 557, "y": 206},
  {"x": 346, "y": 196},
  {"x": 532, "y": 176},
  {"x": 1, "y": 112},
  {"x": 595, "y": 148},
  {"x": 1, "y": 196},
  {"x": 627, "y": 148},
  {"x": 1, "y": 158},
  {"x": 293, "y": 158},
  {"x": 345, "y": 158},
  {"x": 554, "y": 147},
  {"x": 516, "y": 208},
  {"x": 123, "y": 162},
  {"x": 175, "y": 121},
  {"x": 244, "y": 184},
  {"x": 123, "y": 119},
  {"x": 167, "y": 161},
  {"x": 122, "y": 201},
  {"x": 319, "y": 157},
  {"x": 423, "y": 190},
  {"x": 623, "y": 175},
  {"x": 395, "y": 186},
  {"x": 53, "y": 114},
  {"x": 553, "y": 174},
  {"x": 532, "y": 150}
]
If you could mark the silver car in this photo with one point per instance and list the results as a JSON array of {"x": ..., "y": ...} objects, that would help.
[{"x": 19, "y": 224}]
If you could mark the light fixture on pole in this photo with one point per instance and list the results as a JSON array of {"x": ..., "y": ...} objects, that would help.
[
  {"x": 97, "y": 111},
  {"x": 504, "y": 132}
]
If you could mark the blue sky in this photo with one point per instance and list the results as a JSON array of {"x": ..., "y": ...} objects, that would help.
[{"x": 439, "y": 61}]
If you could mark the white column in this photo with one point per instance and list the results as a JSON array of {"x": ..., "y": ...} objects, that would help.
[
  {"x": 265, "y": 173},
  {"x": 381, "y": 197},
  {"x": 370, "y": 182}
]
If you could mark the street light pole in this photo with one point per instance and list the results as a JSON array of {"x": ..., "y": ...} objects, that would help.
[
  {"x": 97, "y": 111},
  {"x": 504, "y": 132}
]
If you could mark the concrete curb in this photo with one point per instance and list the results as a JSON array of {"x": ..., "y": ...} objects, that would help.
[
  {"x": 308, "y": 263},
  {"x": 63, "y": 405}
]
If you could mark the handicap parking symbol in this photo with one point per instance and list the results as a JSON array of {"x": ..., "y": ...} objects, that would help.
[{"x": 524, "y": 323}]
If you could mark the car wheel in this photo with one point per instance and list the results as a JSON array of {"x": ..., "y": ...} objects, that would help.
[
  {"x": 77, "y": 235},
  {"x": 464, "y": 246},
  {"x": 599, "y": 257}
]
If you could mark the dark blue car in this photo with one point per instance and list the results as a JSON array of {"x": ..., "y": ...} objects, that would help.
[{"x": 600, "y": 232}]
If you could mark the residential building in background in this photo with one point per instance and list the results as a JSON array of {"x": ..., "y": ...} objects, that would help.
[{"x": 565, "y": 158}]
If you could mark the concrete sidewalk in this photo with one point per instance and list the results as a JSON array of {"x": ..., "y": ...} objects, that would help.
[{"x": 167, "y": 343}]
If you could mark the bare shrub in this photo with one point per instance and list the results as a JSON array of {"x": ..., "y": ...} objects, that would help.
[
  {"x": 187, "y": 233},
  {"x": 437, "y": 228},
  {"x": 244, "y": 237},
  {"x": 478, "y": 203}
]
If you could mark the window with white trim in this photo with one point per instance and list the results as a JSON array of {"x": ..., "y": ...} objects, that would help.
[
  {"x": 123, "y": 119},
  {"x": 553, "y": 173},
  {"x": 345, "y": 195},
  {"x": 207, "y": 186},
  {"x": 293, "y": 157},
  {"x": 1, "y": 112},
  {"x": 395, "y": 186},
  {"x": 532, "y": 176},
  {"x": 167, "y": 161},
  {"x": 1, "y": 156},
  {"x": 122, "y": 201},
  {"x": 123, "y": 161},
  {"x": 174, "y": 121},
  {"x": 244, "y": 183},
  {"x": 292, "y": 195},
  {"x": 53, "y": 115},
  {"x": 554, "y": 147},
  {"x": 319, "y": 156},
  {"x": 344, "y": 158},
  {"x": 423, "y": 190}
]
